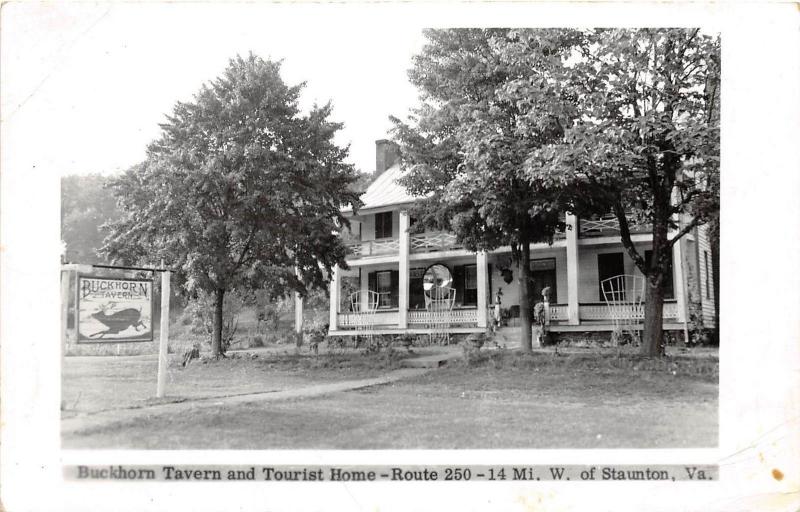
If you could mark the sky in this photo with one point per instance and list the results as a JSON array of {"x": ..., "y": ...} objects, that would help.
[{"x": 92, "y": 82}]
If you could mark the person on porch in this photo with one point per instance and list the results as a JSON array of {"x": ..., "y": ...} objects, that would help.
[{"x": 498, "y": 299}]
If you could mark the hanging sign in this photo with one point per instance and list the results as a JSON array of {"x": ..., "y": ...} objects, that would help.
[{"x": 112, "y": 310}]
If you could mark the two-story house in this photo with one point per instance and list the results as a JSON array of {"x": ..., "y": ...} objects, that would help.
[{"x": 387, "y": 264}]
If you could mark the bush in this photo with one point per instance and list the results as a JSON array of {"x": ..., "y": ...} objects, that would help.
[{"x": 201, "y": 312}]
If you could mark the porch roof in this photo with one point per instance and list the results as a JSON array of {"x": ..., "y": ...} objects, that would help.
[{"x": 385, "y": 191}]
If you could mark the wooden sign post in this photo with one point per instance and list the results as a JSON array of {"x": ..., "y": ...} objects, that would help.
[{"x": 163, "y": 361}]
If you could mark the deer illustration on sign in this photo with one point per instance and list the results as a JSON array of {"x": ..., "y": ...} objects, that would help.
[
  {"x": 113, "y": 309},
  {"x": 117, "y": 321}
]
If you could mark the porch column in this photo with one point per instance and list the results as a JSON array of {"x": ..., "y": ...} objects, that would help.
[
  {"x": 402, "y": 292},
  {"x": 483, "y": 287},
  {"x": 572, "y": 269},
  {"x": 336, "y": 282}
]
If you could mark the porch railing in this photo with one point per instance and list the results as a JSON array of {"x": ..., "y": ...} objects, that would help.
[
  {"x": 374, "y": 247},
  {"x": 379, "y": 318},
  {"x": 456, "y": 316},
  {"x": 436, "y": 241},
  {"x": 415, "y": 318},
  {"x": 559, "y": 312},
  {"x": 603, "y": 312},
  {"x": 607, "y": 225}
]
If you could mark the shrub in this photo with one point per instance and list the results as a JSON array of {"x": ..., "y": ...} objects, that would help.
[{"x": 201, "y": 311}]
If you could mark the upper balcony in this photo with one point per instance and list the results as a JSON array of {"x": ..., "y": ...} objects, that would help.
[
  {"x": 436, "y": 241},
  {"x": 607, "y": 225},
  {"x": 418, "y": 243},
  {"x": 378, "y": 247}
]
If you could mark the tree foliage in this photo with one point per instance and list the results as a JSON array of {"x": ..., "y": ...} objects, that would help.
[
  {"x": 464, "y": 148},
  {"x": 515, "y": 125},
  {"x": 240, "y": 190},
  {"x": 645, "y": 145}
]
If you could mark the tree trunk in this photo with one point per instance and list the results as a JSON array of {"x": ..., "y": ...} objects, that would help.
[
  {"x": 216, "y": 336},
  {"x": 652, "y": 335},
  {"x": 524, "y": 299}
]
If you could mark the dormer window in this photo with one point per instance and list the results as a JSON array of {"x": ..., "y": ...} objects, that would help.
[{"x": 383, "y": 225}]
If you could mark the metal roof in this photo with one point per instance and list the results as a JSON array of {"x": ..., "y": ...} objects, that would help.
[{"x": 385, "y": 191}]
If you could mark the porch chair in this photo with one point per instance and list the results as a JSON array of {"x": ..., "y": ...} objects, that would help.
[
  {"x": 623, "y": 296},
  {"x": 363, "y": 305},
  {"x": 439, "y": 303}
]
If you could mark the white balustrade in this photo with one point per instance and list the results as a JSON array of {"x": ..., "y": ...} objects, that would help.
[
  {"x": 607, "y": 224},
  {"x": 436, "y": 241},
  {"x": 374, "y": 247},
  {"x": 559, "y": 312},
  {"x": 455, "y": 316},
  {"x": 671, "y": 310},
  {"x": 356, "y": 249},
  {"x": 378, "y": 318},
  {"x": 604, "y": 312}
]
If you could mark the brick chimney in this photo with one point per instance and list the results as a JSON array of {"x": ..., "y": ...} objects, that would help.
[{"x": 387, "y": 153}]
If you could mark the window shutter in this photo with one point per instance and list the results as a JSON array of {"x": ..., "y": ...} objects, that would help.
[
  {"x": 395, "y": 288},
  {"x": 458, "y": 279},
  {"x": 372, "y": 281},
  {"x": 378, "y": 226}
]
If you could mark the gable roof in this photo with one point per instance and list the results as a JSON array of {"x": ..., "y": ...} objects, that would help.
[{"x": 385, "y": 191}]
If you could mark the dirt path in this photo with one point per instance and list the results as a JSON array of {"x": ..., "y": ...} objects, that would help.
[{"x": 99, "y": 419}]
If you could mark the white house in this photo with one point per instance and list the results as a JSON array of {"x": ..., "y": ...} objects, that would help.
[{"x": 388, "y": 261}]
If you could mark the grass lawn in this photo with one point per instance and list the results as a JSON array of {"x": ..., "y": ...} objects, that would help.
[
  {"x": 495, "y": 401},
  {"x": 92, "y": 384}
]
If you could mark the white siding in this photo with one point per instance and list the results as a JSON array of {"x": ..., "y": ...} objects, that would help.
[
  {"x": 706, "y": 278},
  {"x": 511, "y": 290}
]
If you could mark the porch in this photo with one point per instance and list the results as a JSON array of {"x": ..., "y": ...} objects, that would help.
[
  {"x": 593, "y": 316},
  {"x": 572, "y": 267}
]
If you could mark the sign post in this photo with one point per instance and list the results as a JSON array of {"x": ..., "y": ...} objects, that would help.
[
  {"x": 66, "y": 276},
  {"x": 163, "y": 361}
]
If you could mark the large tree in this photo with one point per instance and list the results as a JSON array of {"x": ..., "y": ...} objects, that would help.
[
  {"x": 464, "y": 149},
  {"x": 240, "y": 190},
  {"x": 646, "y": 145}
]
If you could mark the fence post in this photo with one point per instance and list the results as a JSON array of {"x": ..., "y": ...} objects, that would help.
[
  {"x": 163, "y": 361},
  {"x": 66, "y": 277}
]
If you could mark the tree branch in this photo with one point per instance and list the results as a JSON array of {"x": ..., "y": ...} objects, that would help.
[
  {"x": 625, "y": 235},
  {"x": 684, "y": 230},
  {"x": 246, "y": 247}
]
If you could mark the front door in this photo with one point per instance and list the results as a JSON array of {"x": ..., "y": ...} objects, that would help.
[{"x": 543, "y": 274}]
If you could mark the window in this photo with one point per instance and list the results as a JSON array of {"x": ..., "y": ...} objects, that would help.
[
  {"x": 465, "y": 283},
  {"x": 470, "y": 285},
  {"x": 669, "y": 281},
  {"x": 383, "y": 225},
  {"x": 543, "y": 274},
  {"x": 609, "y": 265},
  {"x": 416, "y": 294},
  {"x": 708, "y": 275},
  {"x": 384, "y": 281}
]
